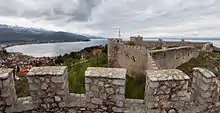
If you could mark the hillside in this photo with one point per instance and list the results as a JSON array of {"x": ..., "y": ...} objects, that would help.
[
  {"x": 209, "y": 60},
  {"x": 14, "y": 34}
]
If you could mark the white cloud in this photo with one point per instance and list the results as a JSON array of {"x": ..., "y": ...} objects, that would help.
[{"x": 99, "y": 17}]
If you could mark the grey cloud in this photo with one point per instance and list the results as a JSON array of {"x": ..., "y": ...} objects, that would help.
[
  {"x": 164, "y": 15},
  {"x": 49, "y": 10},
  {"x": 173, "y": 17}
]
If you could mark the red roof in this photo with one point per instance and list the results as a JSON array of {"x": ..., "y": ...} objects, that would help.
[{"x": 95, "y": 51}]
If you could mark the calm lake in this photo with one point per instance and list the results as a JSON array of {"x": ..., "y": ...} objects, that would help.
[{"x": 55, "y": 49}]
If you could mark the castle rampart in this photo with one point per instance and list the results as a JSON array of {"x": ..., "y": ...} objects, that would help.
[
  {"x": 160, "y": 43},
  {"x": 133, "y": 58},
  {"x": 173, "y": 57},
  {"x": 166, "y": 91},
  {"x": 137, "y": 58}
]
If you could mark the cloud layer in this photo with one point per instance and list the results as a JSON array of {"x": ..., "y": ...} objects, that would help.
[{"x": 100, "y": 17}]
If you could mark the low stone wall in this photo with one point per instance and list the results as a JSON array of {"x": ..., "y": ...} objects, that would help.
[
  {"x": 48, "y": 87},
  {"x": 204, "y": 89},
  {"x": 105, "y": 89},
  {"x": 165, "y": 91},
  {"x": 8, "y": 95}
]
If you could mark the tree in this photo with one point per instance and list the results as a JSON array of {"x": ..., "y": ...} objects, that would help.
[
  {"x": 59, "y": 60},
  {"x": 105, "y": 50}
]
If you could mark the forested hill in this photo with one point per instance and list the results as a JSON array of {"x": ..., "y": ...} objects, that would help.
[{"x": 14, "y": 34}]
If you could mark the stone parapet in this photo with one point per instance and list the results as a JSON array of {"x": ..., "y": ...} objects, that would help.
[
  {"x": 8, "y": 95},
  {"x": 204, "y": 89},
  {"x": 166, "y": 90},
  {"x": 105, "y": 89},
  {"x": 48, "y": 86}
]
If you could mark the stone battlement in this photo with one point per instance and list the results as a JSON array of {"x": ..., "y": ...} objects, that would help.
[{"x": 165, "y": 91}]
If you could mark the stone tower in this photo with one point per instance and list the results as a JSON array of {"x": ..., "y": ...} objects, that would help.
[
  {"x": 113, "y": 47},
  {"x": 137, "y": 40}
]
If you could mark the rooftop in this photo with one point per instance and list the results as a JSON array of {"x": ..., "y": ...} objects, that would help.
[
  {"x": 48, "y": 70},
  {"x": 166, "y": 75},
  {"x": 119, "y": 73}
]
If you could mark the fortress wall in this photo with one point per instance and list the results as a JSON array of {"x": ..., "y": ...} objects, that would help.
[
  {"x": 151, "y": 44},
  {"x": 113, "y": 47},
  {"x": 133, "y": 58},
  {"x": 166, "y": 91},
  {"x": 173, "y": 57}
]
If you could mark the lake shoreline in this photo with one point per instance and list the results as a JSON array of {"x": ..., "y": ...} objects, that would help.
[{"x": 53, "y": 49}]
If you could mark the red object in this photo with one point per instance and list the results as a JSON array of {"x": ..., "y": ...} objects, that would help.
[{"x": 95, "y": 51}]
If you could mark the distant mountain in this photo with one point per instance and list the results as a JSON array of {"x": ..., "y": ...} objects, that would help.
[{"x": 15, "y": 34}]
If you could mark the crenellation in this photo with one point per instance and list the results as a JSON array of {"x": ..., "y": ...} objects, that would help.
[
  {"x": 8, "y": 95},
  {"x": 165, "y": 90},
  {"x": 204, "y": 89},
  {"x": 105, "y": 90},
  {"x": 48, "y": 86}
]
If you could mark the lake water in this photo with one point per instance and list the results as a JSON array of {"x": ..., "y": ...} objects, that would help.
[{"x": 55, "y": 49}]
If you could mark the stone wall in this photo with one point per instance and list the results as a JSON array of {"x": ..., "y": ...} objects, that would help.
[
  {"x": 204, "y": 89},
  {"x": 8, "y": 95},
  {"x": 133, "y": 58},
  {"x": 173, "y": 57},
  {"x": 151, "y": 44},
  {"x": 48, "y": 87},
  {"x": 105, "y": 89},
  {"x": 151, "y": 65},
  {"x": 112, "y": 52},
  {"x": 136, "y": 58},
  {"x": 166, "y": 91}
]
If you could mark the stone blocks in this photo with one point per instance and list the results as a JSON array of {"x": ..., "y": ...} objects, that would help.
[
  {"x": 48, "y": 86},
  {"x": 105, "y": 89},
  {"x": 8, "y": 95},
  {"x": 166, "y": 89},
  {"x": 204, "y": 89}
]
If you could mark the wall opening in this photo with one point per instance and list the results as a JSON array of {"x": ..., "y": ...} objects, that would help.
[
  {"x": 135, "y": 87},
  {"x": 21, "y": 85}
]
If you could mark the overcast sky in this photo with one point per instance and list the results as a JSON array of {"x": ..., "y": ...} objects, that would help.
[{"x": 149, "y": 18}]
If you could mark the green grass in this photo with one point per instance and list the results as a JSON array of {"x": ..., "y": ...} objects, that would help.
[
  {"x": 22, "y": 87},
  {"x": 76, "y": 73},
  {"x": 134, "y": 87}
]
